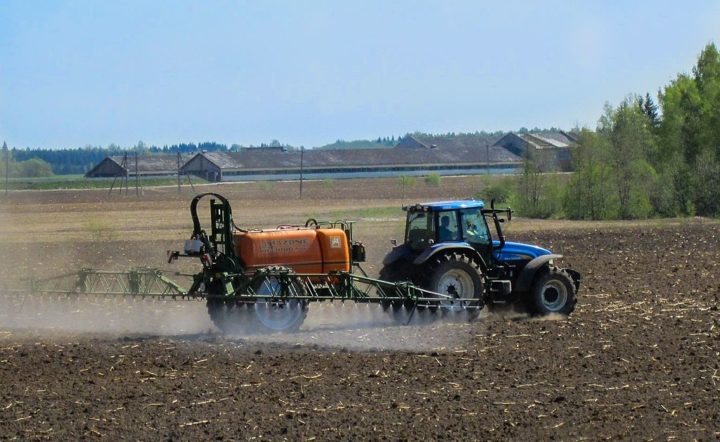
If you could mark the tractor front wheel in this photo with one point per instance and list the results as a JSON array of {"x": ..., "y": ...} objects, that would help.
[{"x": 553, "y": 292}]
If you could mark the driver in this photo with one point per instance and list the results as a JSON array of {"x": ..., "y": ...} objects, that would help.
[
  {"x": 445, "y": 233},
  {"x": 472, "y": 232}
]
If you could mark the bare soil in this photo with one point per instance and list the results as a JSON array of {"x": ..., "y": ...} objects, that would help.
[{"x": 638, "y": 359}]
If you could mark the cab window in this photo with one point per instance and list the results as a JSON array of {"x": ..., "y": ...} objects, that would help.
[
  {"x": 475, "y": 230},
  {"x": 448, "y": 226},
  {"x": 419, "y": 230}
]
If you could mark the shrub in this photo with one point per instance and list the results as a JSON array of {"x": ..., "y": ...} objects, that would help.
[
  {"x": 499, "y": 189},
  {"x": 406, "y": 182},
  {"x": 100, "y": 231},
  {"x": 433, "y": 180}
]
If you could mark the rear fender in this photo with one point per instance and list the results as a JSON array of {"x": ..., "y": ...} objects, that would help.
[
  {"x": 401, "y": 252},
  {"x": 444, "y": 248},
  {"x": 526, "y": 277}
]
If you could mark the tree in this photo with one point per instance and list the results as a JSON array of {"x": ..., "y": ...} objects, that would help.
[
  {"x": 34, "y": 168},
  {"x": 649, "y": 108},
  {"x": 614, "y": 177},
  {"x": 589, "y": 194},
  {"x": 529, "y": 188},
  {"x": 631, "y": 145},
  {"x": 707, "y": 79},
  {"x": 690, "y": 135},
  {"x": 141, "y": 148}
]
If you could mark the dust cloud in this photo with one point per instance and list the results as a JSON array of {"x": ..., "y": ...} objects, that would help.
[
  {"x": 92, "y": 315},
  {"x": 351, "y": 326},
  {"x": 366, "y": 327}
]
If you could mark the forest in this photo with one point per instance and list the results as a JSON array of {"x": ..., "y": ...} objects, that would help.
[{"x": 643, "y": 159}]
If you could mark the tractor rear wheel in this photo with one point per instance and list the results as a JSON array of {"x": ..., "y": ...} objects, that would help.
[
  {"x": 553, "y": 292},
  {"x": 279, "y": 314},
  {"x": 457, "y": 276}
]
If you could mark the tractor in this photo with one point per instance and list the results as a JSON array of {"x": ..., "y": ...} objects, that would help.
[
  {"x": 264, "y": 279},
  {"x": 450, "y": 249}
]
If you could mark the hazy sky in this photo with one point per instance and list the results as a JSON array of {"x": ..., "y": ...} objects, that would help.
[{"x": 81, "y": 72}]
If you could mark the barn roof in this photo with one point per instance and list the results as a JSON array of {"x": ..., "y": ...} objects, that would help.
[
  {"x": 453, "y": 141},
  {"x": 544, "y": 140},
  {"x": 152, "y": 163},
  {"x": 339, "y": 158},
  {"x": 146, "y": 164}
]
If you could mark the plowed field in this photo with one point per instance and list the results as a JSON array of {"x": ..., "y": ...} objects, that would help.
[{"x": 638, "y": 359}]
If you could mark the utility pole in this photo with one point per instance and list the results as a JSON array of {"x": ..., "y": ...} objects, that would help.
[
  {"x": 302, "y": 155},
  {"x": 137, "y": 176},
  {"x": 178, "y": 169},
  {"x": 487, "y": 158},
  {"x": 7, "y": 165}
]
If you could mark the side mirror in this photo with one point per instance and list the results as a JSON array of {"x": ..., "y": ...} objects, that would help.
[{"x": 393, "y": 242}]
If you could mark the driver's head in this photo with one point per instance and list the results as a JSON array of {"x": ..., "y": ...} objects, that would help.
[{"x": 445, "y": 221}]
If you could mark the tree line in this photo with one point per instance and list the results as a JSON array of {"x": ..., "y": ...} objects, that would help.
[
  {"x": 643, "y": 159},
  {"x": 46, "y": 162}
]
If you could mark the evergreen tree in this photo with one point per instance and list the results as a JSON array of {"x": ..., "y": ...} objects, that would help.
[{"x": 650, "y": 109}]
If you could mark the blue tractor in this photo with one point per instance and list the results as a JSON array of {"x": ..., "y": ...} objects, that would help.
[{"x": 451, "y": 249}]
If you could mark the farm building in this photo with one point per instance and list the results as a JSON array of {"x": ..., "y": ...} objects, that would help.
[
  {"x": 413, "y": 155},
  {"x": 551, "y": 151},
  {"x": 147, "y": 166},
  {"x": 421, "y": 159}
]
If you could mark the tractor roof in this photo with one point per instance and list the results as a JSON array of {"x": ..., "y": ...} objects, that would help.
[{"x": 445, "y": 205}]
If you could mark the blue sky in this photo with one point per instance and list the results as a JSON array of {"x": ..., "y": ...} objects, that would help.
[{"x": 81, "y": 72}]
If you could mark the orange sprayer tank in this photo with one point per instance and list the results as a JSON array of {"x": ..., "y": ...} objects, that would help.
[{"x": 303, "y": 250}]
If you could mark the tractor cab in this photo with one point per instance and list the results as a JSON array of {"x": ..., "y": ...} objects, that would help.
[{"x": 432, "y": 225}]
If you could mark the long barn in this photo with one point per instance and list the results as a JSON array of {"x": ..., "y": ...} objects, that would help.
[
  {"x": 404, "y": 159},
  {"x": 147, "y": 166},
  {"x": 465, "y": 154}
]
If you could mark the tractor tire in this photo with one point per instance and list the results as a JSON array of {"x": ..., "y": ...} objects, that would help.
[
  {"x": 553, "y": 293},
  {"x": 456, "y": 275},
  {"x": 232, "y": 317},
  {"x": 399, "y": 271},
  {"x": 279, "y": 315}
]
